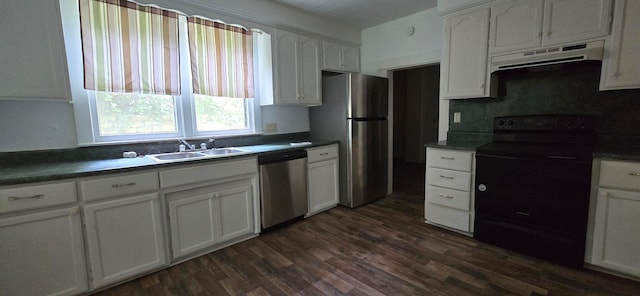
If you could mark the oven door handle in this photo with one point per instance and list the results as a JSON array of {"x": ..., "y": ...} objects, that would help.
[{"x": 551, "y": 158}]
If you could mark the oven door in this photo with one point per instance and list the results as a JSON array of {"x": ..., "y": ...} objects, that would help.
[{"x": 535, "y": 206}]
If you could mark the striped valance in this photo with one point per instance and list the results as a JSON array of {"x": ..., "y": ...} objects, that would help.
[
  {"x": 221, "y": 59},
  {"x": 129, "y": 47}
]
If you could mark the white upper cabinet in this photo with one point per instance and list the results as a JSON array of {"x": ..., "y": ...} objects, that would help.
[
  {"x": 575, "y": 20},
  {"x": 341, "y": 58},
  {"x": 524, "y": 24},
  {"x": 516, "y": 25},
  {"x": 621, "y": 66},
  {"x": 33, "y": 60},
  {"x": 464, "y": 59},
  {"x": 296, "y": 69}
]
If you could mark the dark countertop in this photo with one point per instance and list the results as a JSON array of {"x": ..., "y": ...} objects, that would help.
[
  {"x": 65, "y": 169},
  {"x": 457, "y": 145}
]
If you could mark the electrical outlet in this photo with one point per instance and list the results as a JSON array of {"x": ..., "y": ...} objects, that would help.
[
  {"x": 271, "y": 127},
  {"x": 457, "y": 117}
]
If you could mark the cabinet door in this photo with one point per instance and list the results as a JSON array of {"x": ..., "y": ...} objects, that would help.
[
  {"x": 621, "y": 69},
  {"x": 310, "y": 73},
  {"x": 33, "y": 50},
  {"x": 124, "y": 238},
  {"x": 42, "y": 254},
  {"x": 617, "y": 231},
  {"x": 332, "y": 59},
  {"x": 235, "y": 210},
  {"x": 323, "y": 185},
  {"x": 191, "y": 216},
  {"x": 574, "y": 20},
  {"x": 516, "y": 25},
  {"x": 464, "y": 60},
  {"x": 286, "y": 68},
  {"x": 350, "y": 59}
]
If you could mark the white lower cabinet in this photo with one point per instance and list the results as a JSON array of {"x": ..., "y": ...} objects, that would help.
[
  {"x": 203, "y": 217},
  {"x": 324, "y": 188},
  {"x": 449, "y": 189},
  {"x": 616, "y": 230},
  {"x": 42, "y": 254},
  {"x": 124, "y": 238}
]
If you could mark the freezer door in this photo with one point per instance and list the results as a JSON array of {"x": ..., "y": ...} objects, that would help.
[
  {"x": 368, "y": 96},
  {"x": 367, "y": 161}
]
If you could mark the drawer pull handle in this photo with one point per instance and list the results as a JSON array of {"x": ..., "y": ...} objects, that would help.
[
  {"x": 14, "y": 198},
  {"x": 326, "y": 153},
  {"x": 523, "y": 214},
  {"x": 446, "y": 177},
  {"x": 446, "y": 196},
  {"x": 447, "y": 158},
  {"x": 120, "y": 185},
  {"x": 637, "y": 174}
]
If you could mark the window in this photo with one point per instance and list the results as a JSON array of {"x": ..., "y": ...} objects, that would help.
[{"x": 145, "y": 78}]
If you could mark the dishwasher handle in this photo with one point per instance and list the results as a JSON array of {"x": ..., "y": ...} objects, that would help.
[{"x": 281, "y": 156}]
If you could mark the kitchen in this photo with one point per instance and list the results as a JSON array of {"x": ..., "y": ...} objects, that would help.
[{"x": 28, "y": 123}]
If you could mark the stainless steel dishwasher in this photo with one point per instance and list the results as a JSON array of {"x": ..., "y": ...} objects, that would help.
[{"x": 283, "y": 186}]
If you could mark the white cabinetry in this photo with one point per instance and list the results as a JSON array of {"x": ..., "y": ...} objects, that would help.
[
  {"x": 296, "y": 69},
  {"x": 33, "y": 56},
  {"x": 219, "y": 207},
  {"x": 464, "y": 61},
  {"x": 41, "y": 253},
  {"x": 324, "y": 190},
  {"x": 527, "y": 24},
  {"x": 621, "y": 67},
  {"x": 616, "y": 237},
  {"x": 125, "y": 236},
  {"x": 449, "y": 184},
  {"x": 338, "y": 57}
]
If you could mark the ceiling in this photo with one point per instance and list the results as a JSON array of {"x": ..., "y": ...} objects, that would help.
[{"x": 361, "y": 13}]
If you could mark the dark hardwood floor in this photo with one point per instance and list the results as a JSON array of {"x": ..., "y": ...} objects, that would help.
[{"x": 383, "y": 248}]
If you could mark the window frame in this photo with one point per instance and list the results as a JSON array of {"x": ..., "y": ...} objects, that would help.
[{"x": 84, "y": 101}]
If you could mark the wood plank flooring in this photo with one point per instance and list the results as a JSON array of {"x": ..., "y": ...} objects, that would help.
[{"x": 383, "y": 248}]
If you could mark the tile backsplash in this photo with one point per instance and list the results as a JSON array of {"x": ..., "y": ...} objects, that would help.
[{"x": 565, "y": 89}]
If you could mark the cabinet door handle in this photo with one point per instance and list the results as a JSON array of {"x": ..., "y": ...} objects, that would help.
[
  {"x": 445, "y": 195},
  {"x": 446, "y": 177},
  {"x": 447, "y": 158},
  {"x": 326, "y": 153},
  {"x": 637, "y": 174},
  {"x": 120, "y": 185},
  {"x": 14, "y": 198}
]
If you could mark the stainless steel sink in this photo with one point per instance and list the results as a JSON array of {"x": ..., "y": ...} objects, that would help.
[
  {"x": 187, "y": 155},
  {"x": 223, "y": 151}
]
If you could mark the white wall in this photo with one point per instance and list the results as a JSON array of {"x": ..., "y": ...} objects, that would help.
[
  {"x": 448, "y": 6},
  {"x": 389, "y": 46},
  {"x": 37, "y": 125}
]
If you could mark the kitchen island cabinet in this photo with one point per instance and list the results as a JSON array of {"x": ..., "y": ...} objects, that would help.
[
  {"x": 616, "y": 230},
  {"x": 41, "y": 251}
]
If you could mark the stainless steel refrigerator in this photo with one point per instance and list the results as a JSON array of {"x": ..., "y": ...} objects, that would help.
[{"x": 354, "y": 110}]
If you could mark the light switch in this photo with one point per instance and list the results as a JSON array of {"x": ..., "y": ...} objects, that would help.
[{"x": 457, "y": 117}]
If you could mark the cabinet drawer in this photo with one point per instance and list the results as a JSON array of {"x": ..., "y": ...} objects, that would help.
[
  {"x": 119, "y": 185},
  {"x": 33, "y": 197},
  {"x": 445, "y": 216},
  {"x": 208, "y": 172},
  {"x": 449, "y": 179},
  {"x": 322, "y": 153},
  {"x": 619, "y": 174},
  {"x": 450, "y": 198},
  {"x": 448, "y": 159}
]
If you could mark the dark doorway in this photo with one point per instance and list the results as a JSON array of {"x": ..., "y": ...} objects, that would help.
[{"x": 415, "y": 123}]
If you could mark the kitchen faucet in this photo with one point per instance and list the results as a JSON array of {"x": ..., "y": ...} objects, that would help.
[{"x": 187, "y": 145}]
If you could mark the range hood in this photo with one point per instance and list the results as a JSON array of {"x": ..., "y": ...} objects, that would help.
[{"x": 588, "y": 51}]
